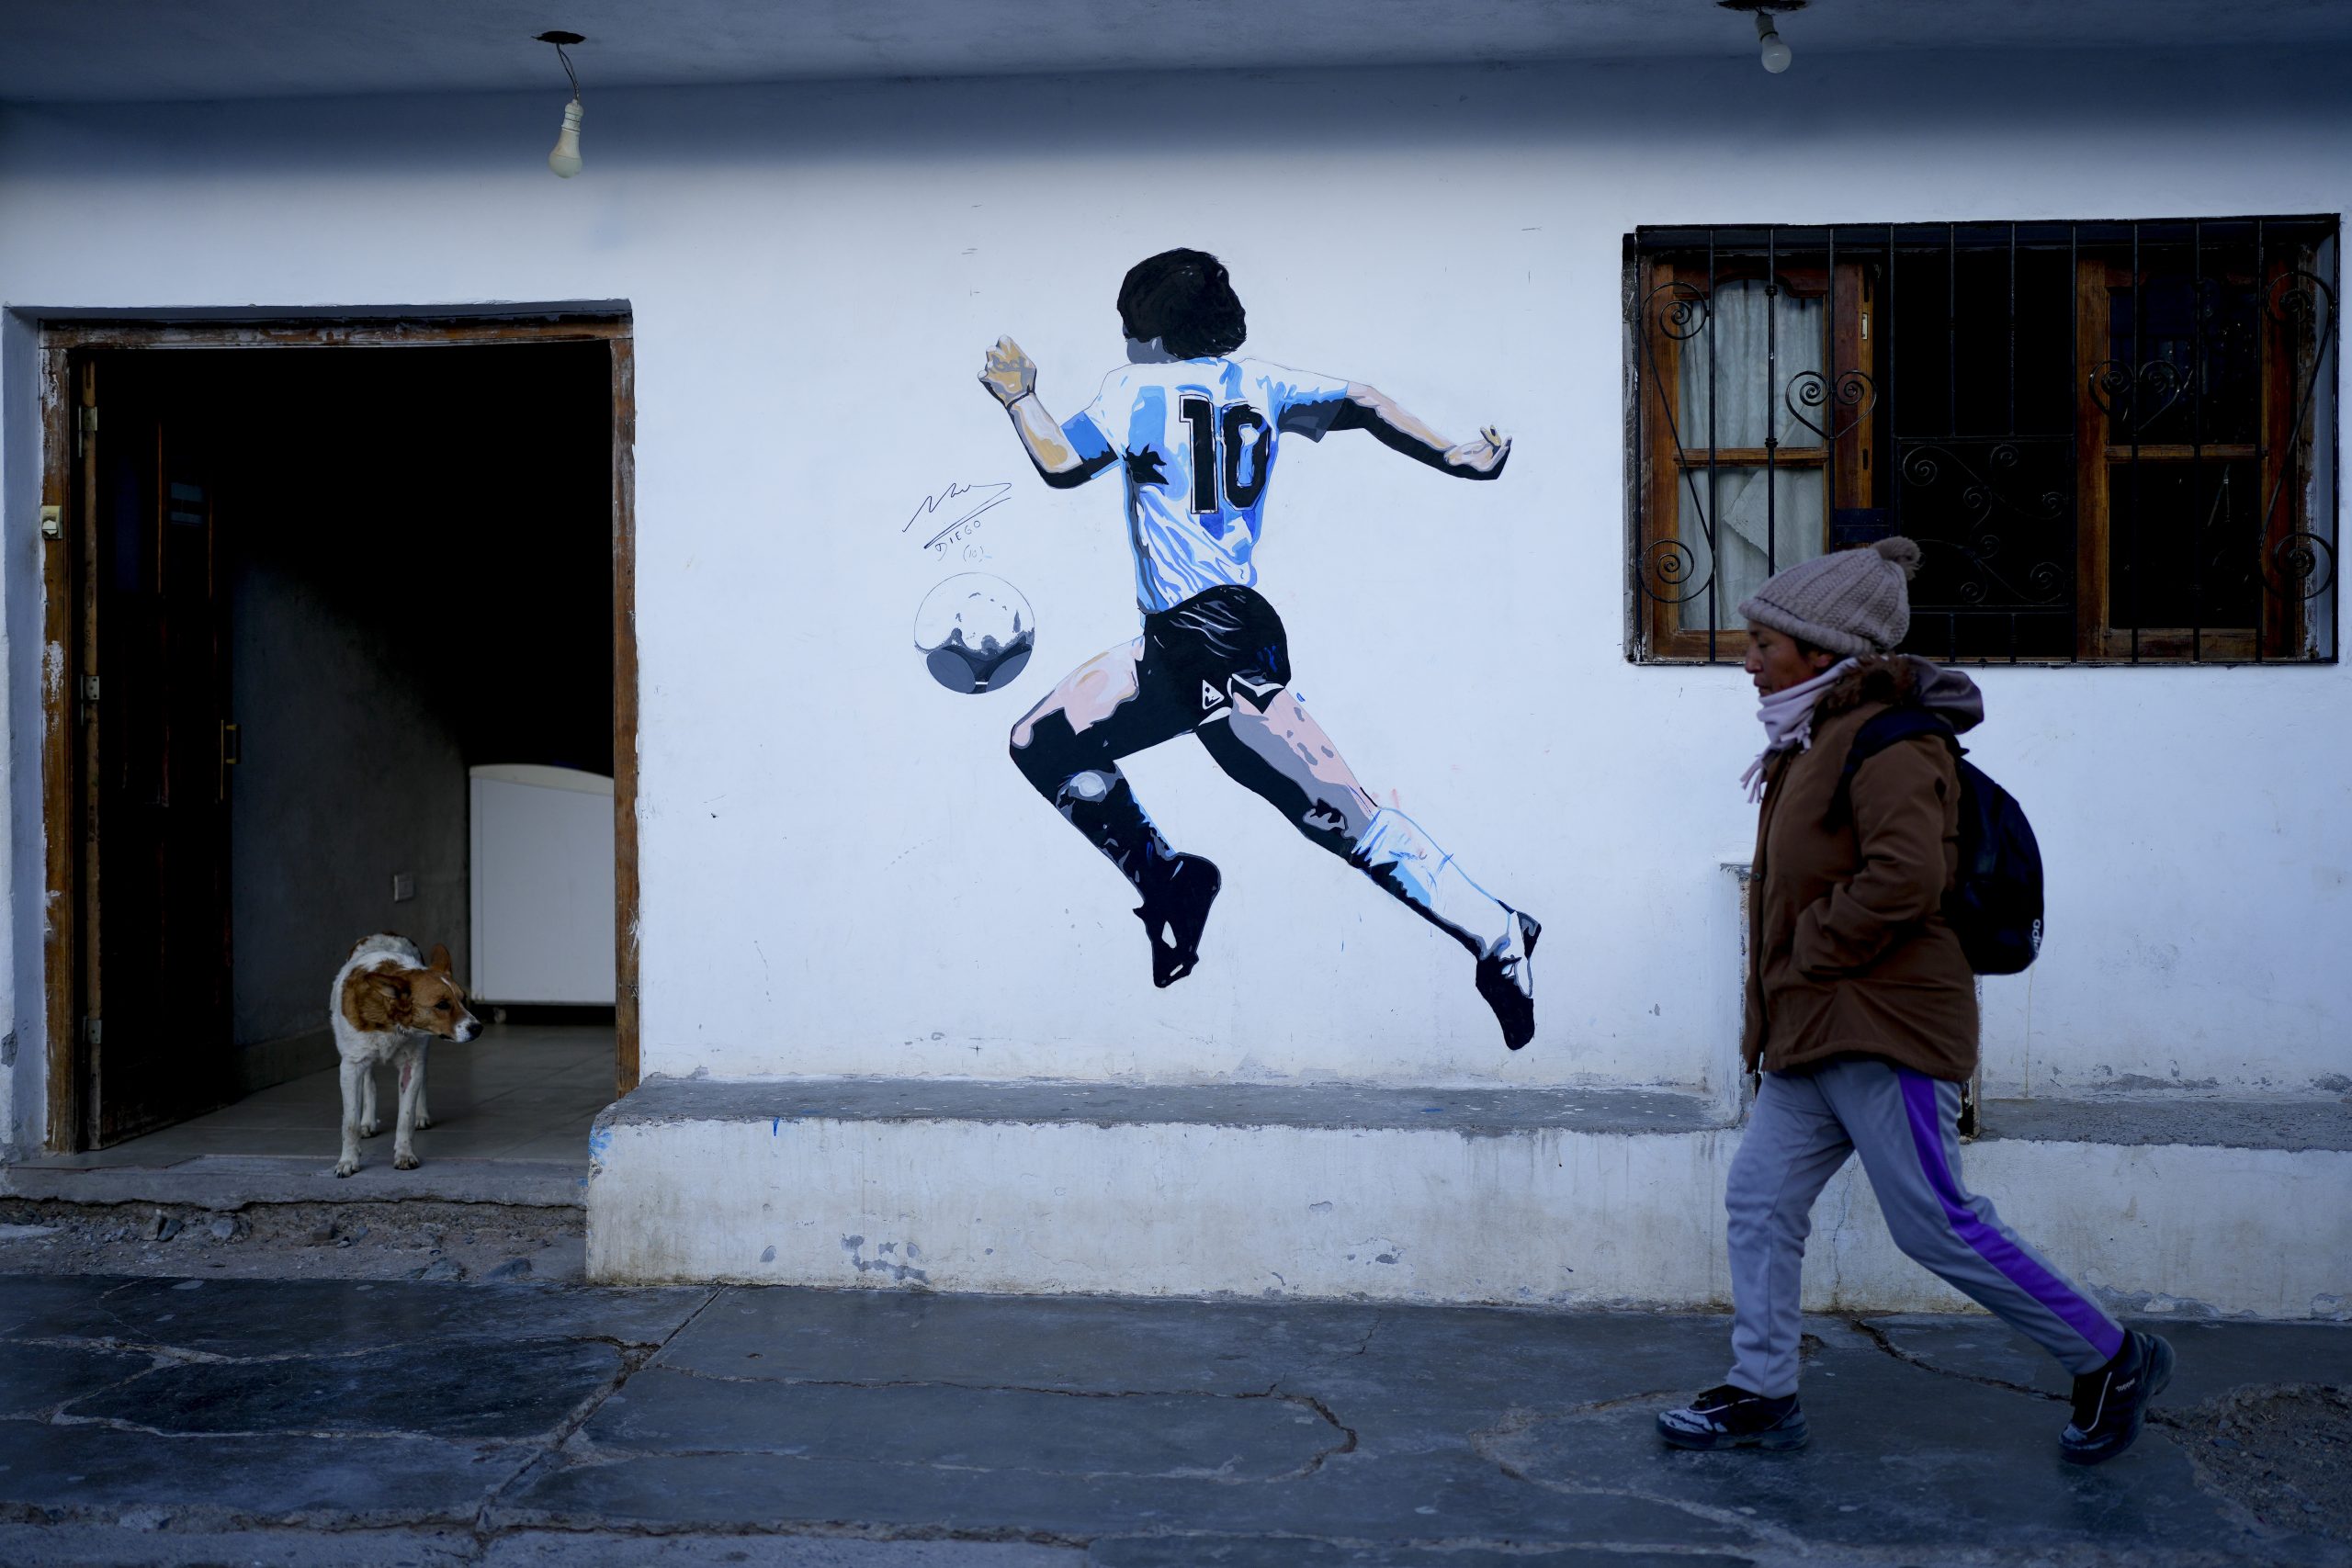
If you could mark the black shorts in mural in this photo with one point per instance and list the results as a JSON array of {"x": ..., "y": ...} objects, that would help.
[{"x": 1222, "y": 645}]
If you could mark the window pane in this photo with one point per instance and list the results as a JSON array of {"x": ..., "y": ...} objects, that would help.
[
  {"x": 1981, "y": 340},
  {"x": 1995, "y": 519},
  {"x": 2183, "y": 361},
  {"x": 1748, "y": 545},
  {"x": 2189, "y": 536},
  {"x": 1752, "y": 387}
]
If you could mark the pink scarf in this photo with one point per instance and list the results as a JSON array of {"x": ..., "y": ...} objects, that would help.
[{"x": 1787, "y": 718}]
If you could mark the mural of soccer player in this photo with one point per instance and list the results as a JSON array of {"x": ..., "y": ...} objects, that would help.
[{"x": 1194, "y": 433}]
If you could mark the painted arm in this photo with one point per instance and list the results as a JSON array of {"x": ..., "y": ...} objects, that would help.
[
  {"x": 1011, "y": 377},
  {"x": 1368, "y": 408}
]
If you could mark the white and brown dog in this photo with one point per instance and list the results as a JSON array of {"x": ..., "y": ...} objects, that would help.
[{"x": 389, "y": 1003}]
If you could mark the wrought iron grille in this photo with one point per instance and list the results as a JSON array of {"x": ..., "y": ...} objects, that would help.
[{"x": 2115, "y": 442}]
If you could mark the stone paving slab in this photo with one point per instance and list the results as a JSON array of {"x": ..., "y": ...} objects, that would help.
[
  {"x": 1248, "y": 1437},
  {"x": 2213, "y": 1357},
  {"x": 157, "y": 1540},
  {"x": 104, "y": 1472},
  {"x": 468, "y": 1388},
  {"x": 33, "y": 1381},
  {"x": 325, "y": 1317},
  {"x": 1096, "y": 1346},
  {"x": 1897, "y": 1461},
  {"x": 155, "y": 1544},
  {"x": 107, "y": 1546},
  {"x": 439, "y": 1426},
  {"x": 1209, "y": 1552},
  {"x": 551, "y": 1550},
  {"x": 53, "y": 1308},
  {"x": 1464, "y": 1361},
  {"x": 1414, "y": 1497}
]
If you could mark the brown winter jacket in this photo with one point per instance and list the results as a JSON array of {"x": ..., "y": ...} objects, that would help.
[{"x": 1848, "y": 952}]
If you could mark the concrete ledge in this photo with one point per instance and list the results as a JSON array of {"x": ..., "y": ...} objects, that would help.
[
  {"x": 1478, "y": 1113},
  {"x": 1405, "y": 1194},
  {"x": 2281, "y": 1123},
  {"x": 232, "y": 1181},
  {"x": 1582, "y": 1198}
]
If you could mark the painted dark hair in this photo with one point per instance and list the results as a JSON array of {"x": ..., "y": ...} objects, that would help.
[{"x": 1184, "y": 299}]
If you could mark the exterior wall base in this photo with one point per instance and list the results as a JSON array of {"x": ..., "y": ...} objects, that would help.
[{"x": 1608, "y": 1199}]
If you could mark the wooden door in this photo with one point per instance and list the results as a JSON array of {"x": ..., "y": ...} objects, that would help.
[{"x": 155, "y": 728}]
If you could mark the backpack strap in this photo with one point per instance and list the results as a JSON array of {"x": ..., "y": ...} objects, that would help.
[{"x": 1892, "y": 727}]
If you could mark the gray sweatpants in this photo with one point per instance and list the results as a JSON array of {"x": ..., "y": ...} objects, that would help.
[{"x": 1906, "y": 1127}]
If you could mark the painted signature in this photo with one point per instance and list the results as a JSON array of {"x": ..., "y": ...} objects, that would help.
[{"x": 968, "y": 502}]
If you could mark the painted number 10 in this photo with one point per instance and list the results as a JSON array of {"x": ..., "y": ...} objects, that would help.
[{"x": 1242, "y": 429}]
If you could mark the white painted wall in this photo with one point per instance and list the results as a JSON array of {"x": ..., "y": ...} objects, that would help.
[{"x": 841, "y": 871}]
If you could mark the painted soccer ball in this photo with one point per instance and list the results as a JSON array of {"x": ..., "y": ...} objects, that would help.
[{"x": 976, "y": 632}]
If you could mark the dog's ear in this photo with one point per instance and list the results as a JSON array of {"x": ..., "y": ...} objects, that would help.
[
  {"x": 374, "y": 998},
  {"x": 439, "y": 959}
]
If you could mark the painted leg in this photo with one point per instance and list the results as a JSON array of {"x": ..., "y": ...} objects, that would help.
[
  {"x": 411, "y": 1060},
  {"x": 368, "y": 1125},
  {"x": 1284, "y": 757},
  {"x": 1068, "y": 747},
  {"x": 424, "y": 1119},
  {"x": 354, "y": 1075}
]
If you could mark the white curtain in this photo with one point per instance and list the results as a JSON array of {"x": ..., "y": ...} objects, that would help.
[{"x": 1745, "y": 408}]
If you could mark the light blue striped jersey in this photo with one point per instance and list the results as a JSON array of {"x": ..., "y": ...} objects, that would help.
[{"x": 1197, "y": 439}]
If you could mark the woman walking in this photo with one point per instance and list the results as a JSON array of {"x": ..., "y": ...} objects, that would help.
[{"x": 1861, "y": 1013}]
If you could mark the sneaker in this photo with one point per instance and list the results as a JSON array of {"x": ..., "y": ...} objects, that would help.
[
  {"x": 2111, "y": 1403},
  {"x": 1728, "y": 1416},
  {"x": 1175, "y": 913},
  {"x": 1507, "y": 980}
]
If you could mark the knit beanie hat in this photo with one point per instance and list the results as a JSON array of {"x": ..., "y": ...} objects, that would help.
[{"x": 1854, "y": 603}]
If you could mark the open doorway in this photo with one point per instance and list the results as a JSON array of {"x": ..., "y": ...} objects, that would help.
[{"x": 344, "y": 607}]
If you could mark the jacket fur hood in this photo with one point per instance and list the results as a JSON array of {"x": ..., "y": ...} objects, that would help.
[{"x": 1900, "y": 678}]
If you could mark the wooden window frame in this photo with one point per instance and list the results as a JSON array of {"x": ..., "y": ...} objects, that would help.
[
  {"x": 67, "y": 578},
  {"x": 2098, "y": 638},
  {"x": 1663, "y": 464},
  {"x": 2290, "y": 628}
]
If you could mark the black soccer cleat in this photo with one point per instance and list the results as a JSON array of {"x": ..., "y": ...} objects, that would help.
[
  {"x": 2111, "y": 1402},
  {"x": 1728, "y": 1417},
  {"x": 1175, "y": 913},
  {"x": 1506, "y": 981}
]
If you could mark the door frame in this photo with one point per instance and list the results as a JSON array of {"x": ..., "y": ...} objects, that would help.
[{"x": 64, "y": 340}]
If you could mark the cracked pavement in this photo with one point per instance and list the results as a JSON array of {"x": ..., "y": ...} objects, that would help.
[{"x": 153, "y": 1421}]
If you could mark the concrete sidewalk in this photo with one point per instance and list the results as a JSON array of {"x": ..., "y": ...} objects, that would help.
[{"x": 316, "y": 1422}]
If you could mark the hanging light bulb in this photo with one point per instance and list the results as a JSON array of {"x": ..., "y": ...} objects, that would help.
[
  {"x": 565, "y": 158},
  {"x": 1774, "y": 55}
]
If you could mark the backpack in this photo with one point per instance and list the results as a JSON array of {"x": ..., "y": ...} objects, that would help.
[{"x": 1995, "y": 907}]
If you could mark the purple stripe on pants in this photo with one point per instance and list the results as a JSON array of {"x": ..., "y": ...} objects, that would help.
[{"x": 2005, "y": 1255}]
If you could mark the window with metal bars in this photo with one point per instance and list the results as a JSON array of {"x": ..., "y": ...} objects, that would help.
[{"x": 2114, "y": 441}]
